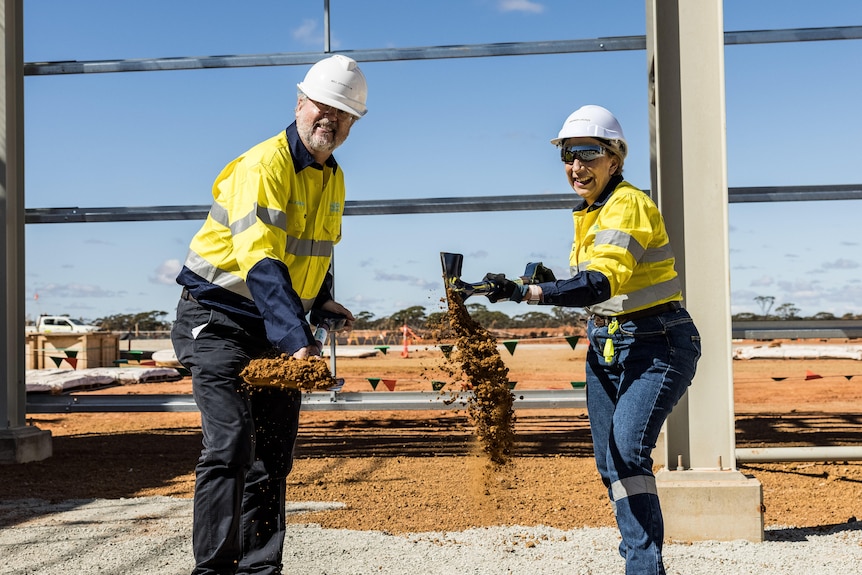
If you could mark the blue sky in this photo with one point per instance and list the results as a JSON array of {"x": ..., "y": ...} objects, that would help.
[{"x": 464, "y": 127}]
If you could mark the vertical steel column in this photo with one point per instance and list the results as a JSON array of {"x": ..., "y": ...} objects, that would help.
[
  {"x": 19, "y": 443},
  {"x": 12, "y": 400},
  {"x": 326, "y": 46},
  {"x": 685, "y": 54}
]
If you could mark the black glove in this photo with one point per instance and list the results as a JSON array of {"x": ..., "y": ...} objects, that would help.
[{"x": 497, "y": 288}]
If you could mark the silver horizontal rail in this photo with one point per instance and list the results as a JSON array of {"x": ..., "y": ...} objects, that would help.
[
  {"x": 426, "y": 205},
  {"x": 312, "y": 401},
  {"x": 608, "y": 44},
  {"x": 797, "y": 329}
]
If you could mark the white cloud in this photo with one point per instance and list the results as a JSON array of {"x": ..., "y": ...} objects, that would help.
[
  {"x": 763, "y": 281},
  {"x": 840, "y": 264},
  {"x": 520, "y": 6},
  {"x": 166, "y": 274},
  {"x": 406, "y": 279},
  {"x": 307, "y": 32},
  {"x": 74, "y": 290}
]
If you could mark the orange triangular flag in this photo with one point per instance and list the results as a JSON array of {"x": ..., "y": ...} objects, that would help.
[
  {"x": 390, "y": 384},
  {"x": 811, "y": 375},
  {"x": 73, "y": 362}
]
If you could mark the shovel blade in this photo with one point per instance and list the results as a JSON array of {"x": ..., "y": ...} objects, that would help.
[{"x": 451, "y": 266}]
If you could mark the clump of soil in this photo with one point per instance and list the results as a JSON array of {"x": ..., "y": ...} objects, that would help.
[
  {"x": 491, "y": 409},
  {"x": 283, "y": 370}
]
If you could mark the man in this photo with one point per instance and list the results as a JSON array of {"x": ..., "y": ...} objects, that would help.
[{"x": 255, "y": 268}]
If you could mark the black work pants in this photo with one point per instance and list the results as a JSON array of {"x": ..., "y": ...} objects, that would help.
[{"x": 248, "y": 440}]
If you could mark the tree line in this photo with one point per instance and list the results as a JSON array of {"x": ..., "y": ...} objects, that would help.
[
  {"x": 418, "y": 317},
  {"x": 786, "y": 311}
]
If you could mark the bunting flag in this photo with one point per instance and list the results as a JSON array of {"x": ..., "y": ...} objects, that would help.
[
  {"x": 437, "y": 385},
  {"x": 573, "y": 340},
  {"x": 71, "y": 358},
  {"x": 848, "y": 377},
  {"x": 511, "y": 345},
  {"x": 383, "y": 348},
  {"x": 512, "y": 384},
  {"x": 811, "y": 375},
  {"x": 447, "y": 349},
  {"x": 374, "y": 381},
  {"x": 779, "y": 378},
  {"x": 390, "y": 384},
  {"x": 579, "y": 384}
]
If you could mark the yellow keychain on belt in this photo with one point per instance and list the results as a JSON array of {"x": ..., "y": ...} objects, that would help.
[{"x": 609, "y": 343}]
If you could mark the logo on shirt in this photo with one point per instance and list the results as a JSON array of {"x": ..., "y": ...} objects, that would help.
[{"x": 334, "y": 207}]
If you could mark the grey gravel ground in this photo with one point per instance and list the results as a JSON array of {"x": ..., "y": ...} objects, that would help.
[{"x": 152, "y": 536}]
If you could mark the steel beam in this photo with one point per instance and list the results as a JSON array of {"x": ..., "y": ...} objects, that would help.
[
  {"x": 609, "y": 44},
  {"x": 428, "y": 205},
  {"x": 312, "y": 401}
]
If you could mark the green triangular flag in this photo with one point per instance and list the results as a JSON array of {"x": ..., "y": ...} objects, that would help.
[
  {"x": 57, "y": 360},
  {"x": 511, "y": 345},
  {"x": 512, "y": 384},
  {"x": 579, "y": 384},
  {"x": 374, "y": 381},
  {"x": 437, "y": 385},
  {"x": 447, "y": 349},
  {"x": 573, "y": 340}
]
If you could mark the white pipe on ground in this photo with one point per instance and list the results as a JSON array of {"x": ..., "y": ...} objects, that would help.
[{"x": 778, "y": 454}]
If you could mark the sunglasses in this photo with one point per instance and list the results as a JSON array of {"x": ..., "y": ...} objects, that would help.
[
  {"x": 582, "y": 153},
  {"x": 326, "y": 110}
]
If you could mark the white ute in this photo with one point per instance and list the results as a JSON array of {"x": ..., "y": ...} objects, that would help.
[{"x": 60, "y": 324}]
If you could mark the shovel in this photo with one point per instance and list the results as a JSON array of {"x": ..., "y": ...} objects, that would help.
[{"x": 534, "y": 273}]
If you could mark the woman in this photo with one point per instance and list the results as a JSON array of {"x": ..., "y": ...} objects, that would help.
[{"x": 644, "y": 346}]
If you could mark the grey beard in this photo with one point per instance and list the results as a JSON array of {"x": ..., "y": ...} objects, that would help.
[{"x": 322, "y": 143}]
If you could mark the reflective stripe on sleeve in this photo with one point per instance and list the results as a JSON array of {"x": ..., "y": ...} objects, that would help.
[{"x": 305, "y": 248}]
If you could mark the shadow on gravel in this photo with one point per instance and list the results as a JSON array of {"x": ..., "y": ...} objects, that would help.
[
  {"x": 105, "y": 466},
  {"x": 799, "y": 534}
]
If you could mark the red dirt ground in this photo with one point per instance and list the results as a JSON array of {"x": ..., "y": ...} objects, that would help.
[{"x": 414, "y": 471}]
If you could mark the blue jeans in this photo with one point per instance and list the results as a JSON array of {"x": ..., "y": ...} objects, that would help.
[
  {"x": 628, "y": 399},
  {"x": 248, "y": 440}
]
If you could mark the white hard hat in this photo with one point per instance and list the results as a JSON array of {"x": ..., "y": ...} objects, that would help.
[
  {"x": 593, "y": 122},
  {"x": 337, "y": 81}
]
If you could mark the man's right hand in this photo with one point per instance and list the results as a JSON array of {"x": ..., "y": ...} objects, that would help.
[{"x": 307, "y": 351}]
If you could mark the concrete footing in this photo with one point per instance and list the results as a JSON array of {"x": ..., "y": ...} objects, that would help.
[
  {"x": 24, "y": 444},
  {"x": 718, "y": 505}
]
